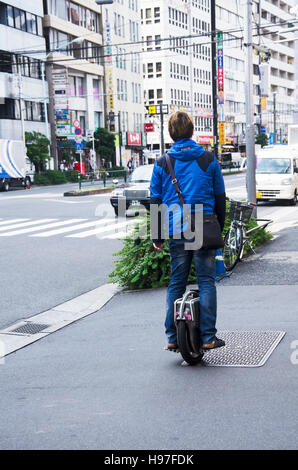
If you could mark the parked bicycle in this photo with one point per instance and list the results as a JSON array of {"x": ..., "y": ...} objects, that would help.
[{"x": 238, "y": 235}]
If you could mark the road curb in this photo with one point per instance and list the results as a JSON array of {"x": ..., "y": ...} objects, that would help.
[
  {"x": 55, "y": 319},
  {"x": 88, "y": 192}
]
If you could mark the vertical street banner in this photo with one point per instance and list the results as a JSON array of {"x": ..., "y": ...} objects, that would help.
[
  {"x": 220, "y": 85},
  {"x": 221, "y": 134},
  {"x": 110, "y": 89},
  {"x": 62, "y": 114},
  {"x": 220, "y": 68},
  {"x": 109, "y": 72}
]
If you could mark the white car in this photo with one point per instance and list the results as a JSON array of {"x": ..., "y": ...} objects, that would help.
[
  {"x": 136, "y": 191},
  {"x": 277, "y": 174}
]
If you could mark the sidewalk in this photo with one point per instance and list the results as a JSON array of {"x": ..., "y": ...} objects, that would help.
[{"x": 105, "y": 382}]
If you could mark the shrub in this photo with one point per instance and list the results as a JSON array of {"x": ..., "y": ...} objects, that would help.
[
  {"x": 41, "y": 179},
  {"x": 71, "y": 176},
  {"x": 116, "y": 172},
  {"x": 138, "y": 265},
  {"x": 50, "y": 177},
  {"x": 56, "y": 177}
]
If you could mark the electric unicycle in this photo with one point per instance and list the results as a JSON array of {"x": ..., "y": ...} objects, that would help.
[{"x": 187, "y": 321}]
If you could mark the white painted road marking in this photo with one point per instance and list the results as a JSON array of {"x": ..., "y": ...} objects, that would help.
[
  {"x": 24, "y": 224},
  {"x": 10, "y": 221},
  {"x": 51, "y": 233},
  {"x": 42, "y": 227},
  {"x": 96, "y": 231}
]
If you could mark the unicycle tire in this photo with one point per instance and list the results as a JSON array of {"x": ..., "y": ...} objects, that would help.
[{"x": 183, "y": 341}]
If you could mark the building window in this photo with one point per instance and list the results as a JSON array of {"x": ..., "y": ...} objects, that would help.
[
  {"x": 19, "y": 19},
  {"x": 150, "y": 70},
  {"x": 97, "y": 120},
  {"x": 96, "y": 88}
]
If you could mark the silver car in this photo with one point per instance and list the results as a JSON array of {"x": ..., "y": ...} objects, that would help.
[{"x": 136, "y": 191}]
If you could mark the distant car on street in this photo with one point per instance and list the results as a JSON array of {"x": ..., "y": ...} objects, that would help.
[
  {"x": 136, "y": 191},
  {"x": 277, "y": 173}
]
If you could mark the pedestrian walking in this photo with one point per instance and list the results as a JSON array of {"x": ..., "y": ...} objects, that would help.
[{"x": 199, "y": 177}]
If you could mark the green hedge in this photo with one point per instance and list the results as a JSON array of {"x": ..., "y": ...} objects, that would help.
[
  {"x": 72, "y": 176},
  {"x": 116, "y": 172},
  {"x": 138, "y": 265},
  {"x": 50, "y": 177}
]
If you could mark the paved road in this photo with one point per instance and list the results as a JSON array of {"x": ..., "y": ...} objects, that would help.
[
  {"x": 105, "y": 382},
  {"x": 53, "y": 248}
]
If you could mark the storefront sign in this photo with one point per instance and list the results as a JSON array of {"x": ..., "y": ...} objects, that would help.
[
  {"x": 205, "y": 139},
  {"x": 221, "y": 136},
  {"x": 204, "y": 112},
  {"x": 220, "y": 68},
  {"x": 110, "y": 88},
  {"x": 149, "y": 127},
  {"x": 134, "y": 139}
]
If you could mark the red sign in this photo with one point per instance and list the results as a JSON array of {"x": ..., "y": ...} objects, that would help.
[
  {"x": 149, "y": 127},
  {"x": 77, "y": 167},
  {"x": 134, "y": 139},
  {"x": 205, "y": 139},
  {"x": 76, "y": 123}
]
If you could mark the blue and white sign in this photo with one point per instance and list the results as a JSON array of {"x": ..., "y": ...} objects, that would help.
[
  {"x": 79, "y": 145},
  {"x": 263, "y": 130}
]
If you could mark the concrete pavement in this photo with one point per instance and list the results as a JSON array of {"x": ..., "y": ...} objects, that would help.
[{"x": 105, "y": 382}]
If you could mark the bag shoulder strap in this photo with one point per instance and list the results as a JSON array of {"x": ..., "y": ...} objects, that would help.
[{"x": 174, "y": 179}]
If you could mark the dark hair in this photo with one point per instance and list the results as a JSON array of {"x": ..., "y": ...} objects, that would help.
[{"x": 181, "y": 125}]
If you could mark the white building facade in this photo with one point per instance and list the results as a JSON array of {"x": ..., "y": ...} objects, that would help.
[
  {"x": 73, "y": 32},
  {"x": 275, "y": 51},
  {"x": 22, "y": 47},
  {"x": 177, "y": 68},
  {"x": 124, "y": 80}
]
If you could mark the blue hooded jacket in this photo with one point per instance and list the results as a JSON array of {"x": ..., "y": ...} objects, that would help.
[{"x": 199, "y": 178}]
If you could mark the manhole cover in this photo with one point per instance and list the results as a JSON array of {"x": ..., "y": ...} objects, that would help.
[
  {"x": 30, "y": 328},
  {"x": 243, "y": 348}
]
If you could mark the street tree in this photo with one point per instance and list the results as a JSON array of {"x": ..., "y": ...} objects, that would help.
[
  {"x": 37, "y": 149},
  {"x": 262, "y": 140},
  {"x": 104, "y": 144}
]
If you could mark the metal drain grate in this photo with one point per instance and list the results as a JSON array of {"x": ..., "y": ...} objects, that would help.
[
  {"x": 243, "y": 348},
  {"x": 30, "y": 328}
]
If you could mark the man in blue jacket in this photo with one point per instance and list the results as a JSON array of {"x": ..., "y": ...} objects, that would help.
[{"x": 200, "y": 180}]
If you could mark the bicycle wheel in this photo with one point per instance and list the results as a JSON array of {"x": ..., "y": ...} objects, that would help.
[
  {"x": 232, "y": 247},
  {"x": 190, "y": 357}
]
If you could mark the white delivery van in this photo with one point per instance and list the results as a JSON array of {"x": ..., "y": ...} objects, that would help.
[{"x": 277, "y": 173}]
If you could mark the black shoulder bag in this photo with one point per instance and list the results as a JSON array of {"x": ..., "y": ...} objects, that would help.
[{"x": 212, "y": 238}]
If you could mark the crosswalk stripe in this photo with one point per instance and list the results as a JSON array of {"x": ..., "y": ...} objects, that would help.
[
  {"x": 116, "y": 236},
  {"x": 24, "y": 224},
  {"x": 41, "y": 227},
  {"x": 112, "y": 227},
  {"x": 51, "y": 233},
  {"x": 5, "y": 222}
]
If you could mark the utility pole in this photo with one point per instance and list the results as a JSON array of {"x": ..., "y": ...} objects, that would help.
[
  {"x": 162, "y": 141},
  {"x": 260, "y": 61},
  {"x": 120, "y": 137},
  {"x": 214, "y": 75},
  {"x": 249, "y": 103},
  {"x": 274, "y": 116}
]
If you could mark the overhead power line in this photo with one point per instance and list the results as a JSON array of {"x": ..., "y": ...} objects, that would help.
[{"x": 144, "y": 41}]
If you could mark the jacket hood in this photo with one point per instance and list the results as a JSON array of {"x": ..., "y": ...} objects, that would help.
[{"x": 191, "y": 152}]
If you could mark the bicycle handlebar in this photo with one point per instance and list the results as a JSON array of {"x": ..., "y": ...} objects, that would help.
[{"x": 241, "y": 202}]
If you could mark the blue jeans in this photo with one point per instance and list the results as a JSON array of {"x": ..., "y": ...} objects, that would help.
[{"x": 204, "y": 262}]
